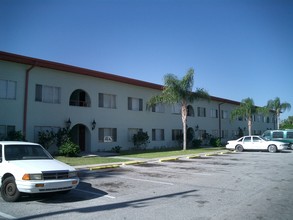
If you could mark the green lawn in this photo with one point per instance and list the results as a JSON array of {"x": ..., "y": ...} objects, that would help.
[
  {"x": 148, "y": 154},
  {"x": 77, "y": 161},
  {"x": 169, "y": 153}
]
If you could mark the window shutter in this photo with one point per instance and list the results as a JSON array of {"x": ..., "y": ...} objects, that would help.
[
  {"x": 101, "y": 134},
  {"x": 153, "y": 134},
  {"x": 129, "y": 103},
  {"x": 114, "y": 134},
  {"x": 38, "y": 93},
  {"x": 101, "y": 100},
  {"x": 140, "y": 104}
]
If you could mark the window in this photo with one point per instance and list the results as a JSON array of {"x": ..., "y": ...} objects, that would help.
[
  {"x": 201, "y": 112},
  {"x": 215, "y": 133},
  {"x": 225, "y": 133},
  {"x": 202, "y": 133},
  {"x": 107, "y": 134},
  {"x": 289, "y": 134},
  {"x": 224, "y": 114},
  {"x": 177, "y": 134},
  {"x": 7, "y": 89},
  {"x": 5, "y": 130},
  {"x": 158, "y": 135},
  {"x": 214, "y": 113},
  {"x": 80, "y": 98},
  {"x": 247, "y": 139},
  {"x": 267, "y": 119},
  {"x": 278, "y": 134},
  {"x": 257, "y": 132},
  {"x": 135, "y": 104},
  {"x": 256, "y": 139},
  {"x": 176, "y": 108},
  {"x": 107, "y": 100},
  {"x": 133, "y": 131},
  {"x": 158, "y": 108},
  {"x": 48, "y": 94},
  {"x": 190, "y": 111},
  {"x": 38, "y": 129},
  {"x": 257, "y": 118}
]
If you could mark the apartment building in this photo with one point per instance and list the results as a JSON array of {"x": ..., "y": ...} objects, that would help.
[{"x": 103, "y": 110}]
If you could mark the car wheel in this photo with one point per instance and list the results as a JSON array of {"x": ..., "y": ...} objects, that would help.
[
  {"x": 239, "y": 148},
  {"x": 290, "y": 146},
  {"x": 272, "y": 148},
  {"x": 9, "y": 191}
]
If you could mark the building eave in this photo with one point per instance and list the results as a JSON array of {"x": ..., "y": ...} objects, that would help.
[{"x": 87, "y": 72}]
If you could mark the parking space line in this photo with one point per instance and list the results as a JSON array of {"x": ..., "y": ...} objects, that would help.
[
  {"x": 97, "y": 194},
  {"x": 144, "y": 180},
  {"x": 7, "y": 216}
]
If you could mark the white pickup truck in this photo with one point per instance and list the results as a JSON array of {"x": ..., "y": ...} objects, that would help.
[{"x": 28, "y": 168}]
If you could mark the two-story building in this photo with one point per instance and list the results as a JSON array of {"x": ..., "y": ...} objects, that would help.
[{"x": 103, "y": 110}]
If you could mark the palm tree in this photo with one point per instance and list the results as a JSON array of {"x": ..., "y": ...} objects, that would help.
[
  {"x": 245, "y": 110},
  {"x": 278, "y": 108},
  {"x": 179, "y": 91}
]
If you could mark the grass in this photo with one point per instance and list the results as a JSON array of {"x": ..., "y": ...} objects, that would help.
[
  {"x": 147, "y": 154},
  {"x": 77, "y": 161}
]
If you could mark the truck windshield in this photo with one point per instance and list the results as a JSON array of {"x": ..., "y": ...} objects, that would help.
[{"x": 25, "y": 152}]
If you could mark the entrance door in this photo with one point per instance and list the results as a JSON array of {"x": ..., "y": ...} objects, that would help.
[{"x": 81, "y": 137}]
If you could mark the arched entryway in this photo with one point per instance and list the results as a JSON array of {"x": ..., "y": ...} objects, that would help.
[{"x": 81, "y": 137}]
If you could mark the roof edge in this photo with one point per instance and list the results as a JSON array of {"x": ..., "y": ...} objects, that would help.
[{"x": 83, "y": 71}]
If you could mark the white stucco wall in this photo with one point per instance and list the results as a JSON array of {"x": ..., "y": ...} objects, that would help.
[{"x": 55, "y": 115}]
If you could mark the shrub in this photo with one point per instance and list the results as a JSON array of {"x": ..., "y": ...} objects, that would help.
[
  {"x": 215, "y": 142},
  {"x": 15, "y": 136},
  {"x": 46, "y": 138},
  {"x": 196, "y": 143},
  {"x": 63, "y": 136},
  {"x": 116, "y": 149},
  {"x": 140, "y": 140},
  {"x": 69, "y": 149}
]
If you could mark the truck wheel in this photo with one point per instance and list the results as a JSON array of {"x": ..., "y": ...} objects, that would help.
[{"x": 9, "y": 191}]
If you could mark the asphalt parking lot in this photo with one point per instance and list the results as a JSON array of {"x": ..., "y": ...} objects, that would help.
[{"x": 248, "y": 185}]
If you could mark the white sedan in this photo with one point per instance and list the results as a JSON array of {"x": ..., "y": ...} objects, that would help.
[
  {"x": 255, "y": 143},
  {"x": 28, "y": 168}
]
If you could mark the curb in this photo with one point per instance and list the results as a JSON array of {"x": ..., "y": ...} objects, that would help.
[
  {"x": 169, "y": 159},
  {"x": 133, "y": 162},
  {"x": 104, "y": 167},
  {"x": 109, "y": 166}
]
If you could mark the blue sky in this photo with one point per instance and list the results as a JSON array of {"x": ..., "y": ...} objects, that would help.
[{"x": 238, "y": 48}]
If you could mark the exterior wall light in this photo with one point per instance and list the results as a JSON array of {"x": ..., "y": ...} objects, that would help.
[
  {"x": 94, "y": 124},
  {"x": 68, "y": 123}
]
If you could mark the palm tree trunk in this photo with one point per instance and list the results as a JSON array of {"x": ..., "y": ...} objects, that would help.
[
  {"x": 278, "y": 120},
  {"x": 184, "y": 123},
  {"x": 249, "y": 125}
]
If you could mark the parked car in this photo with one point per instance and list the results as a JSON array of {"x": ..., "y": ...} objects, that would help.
[
  {"x": 28, "y": 168},
  {"x": 255, "y": 143},
  {"x": 285, "y": 136}
]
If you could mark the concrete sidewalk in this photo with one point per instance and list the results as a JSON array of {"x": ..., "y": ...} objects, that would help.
[{"x": 134, "y": 161}]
